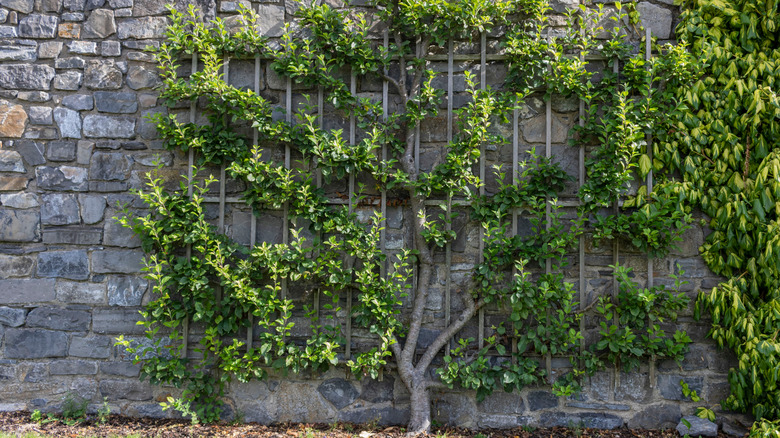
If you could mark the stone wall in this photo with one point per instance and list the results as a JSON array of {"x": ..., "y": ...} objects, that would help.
[{"x": 75, "y": 86}]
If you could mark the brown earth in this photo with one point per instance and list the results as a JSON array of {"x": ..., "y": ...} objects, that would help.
[{"x": 19, "y": 423}]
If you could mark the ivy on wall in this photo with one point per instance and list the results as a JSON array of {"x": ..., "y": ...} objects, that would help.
[
  {"x": 726, "y": 150},
  {"x": 222, "y": 286}
]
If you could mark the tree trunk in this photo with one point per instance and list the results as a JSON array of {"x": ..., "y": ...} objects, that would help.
[{"x": 420, "y": 421}]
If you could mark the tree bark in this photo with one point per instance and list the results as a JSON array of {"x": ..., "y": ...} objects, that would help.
[{"x": 420, "y": 404}]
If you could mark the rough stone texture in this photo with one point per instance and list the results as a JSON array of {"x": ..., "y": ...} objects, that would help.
[
  {"x": 698, "y": 427},
  {"x": 78, "y": 102},
  {"x": 40, "y": 115},
  {"x": 38, "y": 26},
  {"x": 541, "y": 400},
  {"x": 115, "y": 321},
  {"x": 26, "y": 291},
  {"x": 15, "y": 51},
  {"x": 59, "y": 319},
  {"x": 61, "y": 151},
  {"x": 72, "y": 367},
  {"x": 31, "y": 151},
  {"x": 100, "y": 24},
  {"x": 62, "y": 178},
  {"x": 69, "y": 81},
  {"x": 111, "y": 102},
  {"x": 140, "y": 78},
  {"x": 126, "y": 290},
  {"x": 95, "y": 347},
  {"x": 33, "y": 344},
  {"x": 19, "y": 225},
  {"x": 92, "y": 208},
  {"x": 670, "y": 388},
  {"x": 588, "y": 420},
  {"x": 23, "y": 6},
  {"x": 102, "y": 75},
  {"x": 110, "y": 166},
  {"x": 271, "y": 19},
  {"x": 377, "y": 391},
  {"x": 13, "y": 119},
  {"x": 19, "y": 200},
  {"x": 502, "y": 403},
  {"x": 125, "y": 390},
  {"x": 60, "y": 209},
  {"x": 142, "y": 28},
  {"x": 339, "y": 392},
  {"x": 12, "y": 183},
  {"x": 108, "y": 127},
  {"x": 16, "y": 266},
  {"x": 11, "y": 161},
  {"x": 206, "y": 8},
  {"x": 12, "y": 317},
  {"x": 64, "y": 264},
  {"x": 26, "y": 76},
  {"x": 69, "y": 122},
  {"x": 655, "y": 18},
  {"x": 81, "y": 293}
]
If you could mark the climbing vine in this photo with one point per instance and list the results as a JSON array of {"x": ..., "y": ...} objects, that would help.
[
  {"x": 202, "y": 277},
  {"x": 725, "y": 149}
]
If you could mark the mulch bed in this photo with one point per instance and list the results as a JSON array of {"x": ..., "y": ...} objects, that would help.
[{"x": 19, "y": 423}]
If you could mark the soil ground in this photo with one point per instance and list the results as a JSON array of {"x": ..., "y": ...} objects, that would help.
[{"x": 20, "y": 424}]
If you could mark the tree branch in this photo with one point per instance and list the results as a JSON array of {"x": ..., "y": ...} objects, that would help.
[{"x": 449, "y": 332}]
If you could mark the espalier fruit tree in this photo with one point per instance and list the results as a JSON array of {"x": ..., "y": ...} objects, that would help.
[{"x": 202, "y": 277}]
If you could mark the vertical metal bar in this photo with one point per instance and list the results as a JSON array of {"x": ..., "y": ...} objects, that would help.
[
  {"x": 547, "y": 210},
  {"x": 615, "y": 260},
  {"x": 253, "y": 219},
  {"x": 286, "y": 207},
  {"x": 448, "y": 246},
  {"x": 515, "y": 181},
  {"x": 649, "y": 184},
  {"x": 185, "y": 329},
  {"x": 482, "y": 86},
  {"x": 383, "y": 199},
  {"x": 581, "y": 250},
  {"x": 352, "y": 129}
]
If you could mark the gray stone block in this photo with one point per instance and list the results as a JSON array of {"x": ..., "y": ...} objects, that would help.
[
  {"x": 502, "y": 403},
  {"x": 118, "y": 261},
  {"x": 26, "y": 76},
  {"x": 339, "y": 392},
  {"x": 115, "y": 234},
  {"x": 38, "y": 26},
  {"x": 587, "y": 419},
  {"x": 26, "y": 291},
  {"x": 698, "y": 427},
  {"x": 377, "y": 391},
  {"x": 270, "y": 21},
  {"x": 670, "y": 388},
  {"x": 108, "y": 127},
  {"x": 110, "y": 166},
  {"x": 100, "y": 24},
  {"x": 124, "y": 369},
  {"x": 31, "y": 151},
  {"x": 19, "y": 225},
  {"x": 541, "y": 400},
  {"x": 14, "y": 51},
  {"x": 92, "y": 208},
  {"x": 385, "y": 416},
  {"x": 142, "y": 28},
  {"x": 83, "y": 47},
  {"x": 664, "y": 415},
  {"x": 59, "y": 209},
  {"x": 61, "y": 151},
  {"x": 49, "y": 49},
  {"x": 125, "y": 390},
  {"x": 23, "y": 6},
  {"x": 34, "y": 344},
  {"x": 40, "y": 115},
  {"x": 19, "y": 200},
  {"x": 64, "y": 264},
  {"x": 73, "y": 235},
  {"x": 116, "y": 102},
  {"x": 16, "y": 266},
  {"x": 205, "y": 9},
  {"x": 12, "y": 317},
  {"x": 55, "y": 318},
  {"x": 68, "y": 81},
  {"x": 126, "y": 290},
  {"x": 72, "y": 367},
  {"x": 84, "y": 151},
  {"x": 80, "y": 292},
  {"x": 38, "y": 372},
  {"x": 62, "y": 178},
  {"x": 102, "y": 75},
  {"x": 633, "y": 386},
  {"x": 95, "y": 347},
  {"x": 116, "y": 321},
  {"x": 69, "y": 122},
  {"x": 72, "y": 62},
  {"x": 11, "y": 161},
  {"x": 78, "y": 102},
  {"x": 140, "y": 78}
]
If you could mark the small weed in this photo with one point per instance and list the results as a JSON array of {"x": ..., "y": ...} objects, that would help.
[
  {"x": 74, "y": 409},
  {"x": 480, "y": 435},
  {"x": 104, "y": 412}
]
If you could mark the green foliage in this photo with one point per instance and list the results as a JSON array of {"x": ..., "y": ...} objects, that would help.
[
  {"x": 726, "y": 153},
  {"x": 687, "y": 392},
  {"x": 765, "y": 429},
  {"x": 201, "y": 276}
]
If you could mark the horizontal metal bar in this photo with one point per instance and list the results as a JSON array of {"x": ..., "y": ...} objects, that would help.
[{"x": 377, "y": 202}]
